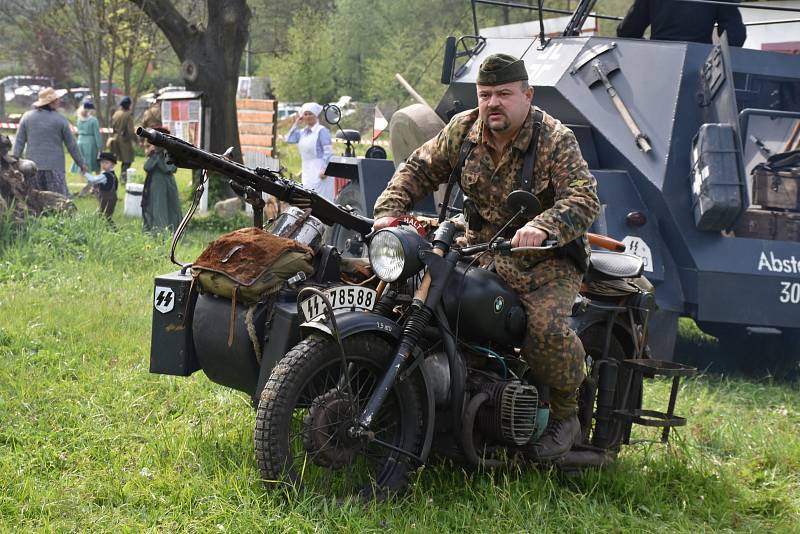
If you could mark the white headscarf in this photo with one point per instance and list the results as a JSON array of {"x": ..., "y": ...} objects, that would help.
[{"x": 313, "y": 107}]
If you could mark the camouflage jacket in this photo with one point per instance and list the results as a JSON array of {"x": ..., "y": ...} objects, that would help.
[{"x": 562, "y": 181}]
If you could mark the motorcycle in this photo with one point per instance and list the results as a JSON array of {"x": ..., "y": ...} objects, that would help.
[
  {"x": 358, "y": 382},
  {"x": 430, "y": 364}
]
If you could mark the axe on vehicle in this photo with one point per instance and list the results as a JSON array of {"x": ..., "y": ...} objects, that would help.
[{"x": 595, "y": 67}]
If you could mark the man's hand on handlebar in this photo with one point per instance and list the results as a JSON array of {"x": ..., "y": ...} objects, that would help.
[
  {"x": 382, "y": 222},
  {"x": 529, "y": 236}
]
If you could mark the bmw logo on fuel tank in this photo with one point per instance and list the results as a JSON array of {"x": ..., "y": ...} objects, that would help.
[{"x": 498, "y": 304}]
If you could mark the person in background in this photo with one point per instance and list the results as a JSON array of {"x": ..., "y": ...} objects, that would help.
[
  {"x": 151, "y": 118},
  {"x": 674, "y": 20},
  {"x": 42, "y": 134},
  {"x": 106, "y": 183},
  {"x": 313, "y": 141},
  {"x": 161, "y": 205},
  {"x": 121, "y": 144},
  {"x": 89, "y": 139}
]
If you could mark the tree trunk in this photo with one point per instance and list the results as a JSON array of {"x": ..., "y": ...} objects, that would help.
[{"x": 210, "y": 59}]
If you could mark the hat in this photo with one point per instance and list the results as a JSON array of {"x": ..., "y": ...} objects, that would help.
[
  {"x": 498, "y": 69},
  {"x": 48, "y": 95},
  {"x": 88, "y": 104},
  {"x": 107, "y": 156},
  {"x": 313, "y": 107},
  {"x": 125, "y": 102}
]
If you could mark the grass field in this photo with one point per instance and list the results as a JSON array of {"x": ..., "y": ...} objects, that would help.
[{"x": 91, "y": 442}]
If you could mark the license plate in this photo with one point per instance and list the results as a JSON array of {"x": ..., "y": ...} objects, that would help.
[{"x": 341, "y": 298}]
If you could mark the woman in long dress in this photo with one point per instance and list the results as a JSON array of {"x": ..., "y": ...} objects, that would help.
[
  {"x": 313, "y": 140},
  {"x": 161, "y": 205},
  {"x": 89, "y": 139}
]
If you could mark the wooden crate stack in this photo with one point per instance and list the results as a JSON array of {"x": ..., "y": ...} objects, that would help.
[{"x": 258, "y": 126}]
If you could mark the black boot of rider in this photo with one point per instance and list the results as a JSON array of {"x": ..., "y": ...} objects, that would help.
[{"x": 557, "y": 439}]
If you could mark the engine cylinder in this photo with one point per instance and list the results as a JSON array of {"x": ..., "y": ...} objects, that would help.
[{"x": 509, "y": 415}]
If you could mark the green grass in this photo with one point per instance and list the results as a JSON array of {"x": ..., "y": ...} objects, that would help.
[{"x": 90, "y": 441}]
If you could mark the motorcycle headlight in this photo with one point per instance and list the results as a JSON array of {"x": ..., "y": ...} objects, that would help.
[{"x": 394, "y": 253}]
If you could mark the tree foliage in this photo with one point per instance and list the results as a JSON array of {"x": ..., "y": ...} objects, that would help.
[{"x": 306, "y": 71}]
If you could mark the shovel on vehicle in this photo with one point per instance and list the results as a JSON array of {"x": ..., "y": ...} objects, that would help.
[{"x": 594, "y": 68}]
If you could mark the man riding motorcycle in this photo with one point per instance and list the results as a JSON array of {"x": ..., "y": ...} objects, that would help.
[{"x": 491, "y": 151}]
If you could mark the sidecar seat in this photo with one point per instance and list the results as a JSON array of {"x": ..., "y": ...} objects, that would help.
[{"x": 607, "y": 265}]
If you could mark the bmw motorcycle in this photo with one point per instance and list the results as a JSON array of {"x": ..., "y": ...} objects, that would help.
[
  {"x": 357, "y": 382},
  {"x": 428, "y": 363}
]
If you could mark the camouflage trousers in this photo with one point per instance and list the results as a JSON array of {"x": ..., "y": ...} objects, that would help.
[{"x": 553, "y": 350}]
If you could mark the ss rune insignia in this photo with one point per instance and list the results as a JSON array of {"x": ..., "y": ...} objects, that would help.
[
  {"x": 164, "y": 299},
  {"x": 498, "y": 304}
]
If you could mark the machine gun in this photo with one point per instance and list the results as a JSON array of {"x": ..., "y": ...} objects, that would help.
[{"x": 250, "y": 183}]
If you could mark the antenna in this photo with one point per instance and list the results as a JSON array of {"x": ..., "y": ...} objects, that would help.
[{"x": 543, "y": 40}]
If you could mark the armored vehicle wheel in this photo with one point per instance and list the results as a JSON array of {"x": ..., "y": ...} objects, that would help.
[
  {"x": 754, "y": 354},
  {"x": 308, "y": 410}
]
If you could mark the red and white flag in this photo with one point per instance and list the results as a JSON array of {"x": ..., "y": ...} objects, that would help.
[{"x": 379, "y": 125}]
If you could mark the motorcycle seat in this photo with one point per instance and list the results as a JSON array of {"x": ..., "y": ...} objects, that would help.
[
  {"x": 607, "y": 265},
  {"x": 349, "y": 135}
]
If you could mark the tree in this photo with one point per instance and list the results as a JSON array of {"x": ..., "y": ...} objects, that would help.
[
  {"x": 99, "y": 37},
  {"x": 210, "y": 58},
  {"x": 306, "y": 72}
]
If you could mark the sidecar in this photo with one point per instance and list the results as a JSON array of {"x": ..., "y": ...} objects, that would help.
[{"x": 237, "y": 344}]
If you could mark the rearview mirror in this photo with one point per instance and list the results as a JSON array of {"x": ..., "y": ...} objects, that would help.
[
  {"x": 332, "y": 113},
  {"x": 524, "y": 202}
]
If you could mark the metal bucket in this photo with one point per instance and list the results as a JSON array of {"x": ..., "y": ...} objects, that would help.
[{"x": 309, "y": 231}]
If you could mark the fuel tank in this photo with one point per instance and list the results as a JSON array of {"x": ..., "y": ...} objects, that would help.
[{"x": 485, "y": 310}]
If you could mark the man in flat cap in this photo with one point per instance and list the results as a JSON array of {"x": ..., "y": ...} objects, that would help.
[{"x": 489, "y": 146}]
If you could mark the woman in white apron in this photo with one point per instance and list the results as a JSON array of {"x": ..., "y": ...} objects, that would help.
[{"x": 313, "y": 140}]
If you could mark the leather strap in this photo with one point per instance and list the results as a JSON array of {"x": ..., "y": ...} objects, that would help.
[
  {"x": 455, "y": 175},
  {"x": 526, "y": 180}
]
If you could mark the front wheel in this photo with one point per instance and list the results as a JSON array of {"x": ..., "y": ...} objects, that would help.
[{"x": 308, "y": 410}]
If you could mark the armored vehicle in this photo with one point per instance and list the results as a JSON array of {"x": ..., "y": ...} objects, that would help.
[{"x": 685, "y": 140}]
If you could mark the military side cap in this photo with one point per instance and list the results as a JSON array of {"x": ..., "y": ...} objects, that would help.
[{"x": 498, "y": 69}]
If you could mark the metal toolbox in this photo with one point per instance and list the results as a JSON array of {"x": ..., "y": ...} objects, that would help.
[
  {"x": 171, "y": 346},
  {"x": 777, "y": 189},
  {"x": 716, "y": 178}
]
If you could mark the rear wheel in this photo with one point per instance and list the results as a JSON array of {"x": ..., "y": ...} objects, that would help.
[
  {"x": 593, "y": 339},
  {"x": 308, "y": 409}
]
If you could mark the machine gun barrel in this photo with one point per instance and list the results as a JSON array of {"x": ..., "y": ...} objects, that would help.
[{"x": 188, "y": 156}]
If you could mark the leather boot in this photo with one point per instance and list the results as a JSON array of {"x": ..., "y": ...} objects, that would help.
[{"x": 557, "y": 439}]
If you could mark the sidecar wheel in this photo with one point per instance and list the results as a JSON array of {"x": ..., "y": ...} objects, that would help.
[{"x": 306, "y": 412}]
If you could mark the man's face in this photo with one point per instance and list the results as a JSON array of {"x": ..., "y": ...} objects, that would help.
[{"x": 504, "y": 107}]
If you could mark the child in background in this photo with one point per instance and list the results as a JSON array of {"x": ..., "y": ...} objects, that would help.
[{"x": 106, "y": 184}]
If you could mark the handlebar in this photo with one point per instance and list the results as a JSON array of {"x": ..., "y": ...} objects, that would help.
[{"x": 503, "y": 246}]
